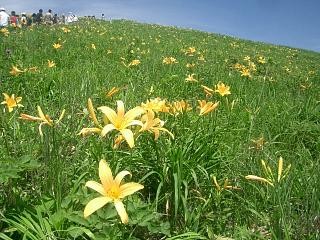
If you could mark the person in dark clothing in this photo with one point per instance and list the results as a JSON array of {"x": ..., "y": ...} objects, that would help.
[
  {"x": 55, "y": 18},
  {"x": 33, "y": 18},
  {"x": 39, "y": 16}
]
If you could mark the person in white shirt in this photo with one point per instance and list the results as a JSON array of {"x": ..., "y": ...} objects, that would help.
[{"x": 4, "y": 18}]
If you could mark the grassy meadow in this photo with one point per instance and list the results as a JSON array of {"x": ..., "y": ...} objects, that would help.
[{"x": 222, "y": 139}]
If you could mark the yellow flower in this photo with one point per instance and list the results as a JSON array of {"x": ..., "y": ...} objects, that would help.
[
  {"x": 206, "y": 107},
  {"x": 246, "y": 58},
  {"x": 121, "y": 121},
  {"x": 245, "y": 72},
  {"x": 238, "y": 66},
  {"x": 5, "y": 32},
  {"x": 11, "y": 102},
  {"x": 190, "y": 51},
  {"x": 112, "y": 92},
  {"x": 261, "y": 60},
  {"x": 15, "y": 71},
  {"x": 33, "y": 69},
  {"x": 225, "y": 185},
  {"x": 156, "y": 105},
  {"x": 201, "y": 58},
  {"x": 190, "y": 65},
  {"x": 56, "y": 45},
  {"x": 51, "y": 64},
  {"x": 44, "y": 119},
  {"x": 169, "y": 60},
  {"x": 190, "y": 78},
  {"x": 269, "y": 179},
  {"x": 207, "y": 90},
  {"x": 178, "y": 107},
  {"x": 134, "y": 62},
  {"x": 111, "y": 190},
  {"x": 152, "y": 124},
  {"x": 222, "y": 89},
  {"x": 93, "y": 46},
  {"x": 65, "y": 30},
  {"x": 252, "y": 66}
]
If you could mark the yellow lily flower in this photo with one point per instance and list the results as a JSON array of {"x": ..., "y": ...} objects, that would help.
[
  {"x": 208, "y": 91},
  {"x": 180, "y": 107},
  {"x": 15, "y": 71},
  {"x": 169, "y": 60},
  {"x": 269, "y": 175},
  {"x": 112, "y": 92},
  {"x": 51, "y": 64},
  {"x": 5, "y": 31},
  {"x": 206, "y": 107},
  {"x": 155, "y": 105},
  {"x": 134, "y": 62},
  {"x": 111, "y": 190},
  {"x": 190, "y": 78},
  {"x": 222, "y": 89},
  {"x": 65, "y": 30},
  {"x": 225, "y": 185},
  {"x": 56, "y": 45},
  {"x": 245, "y": 72},
  {"x": 121, "y": 121},
  {"x": 261, "y": 60},
  {"x": 152, "y": 124},
  {"x": 190, "y": 51},
  {"x": 44, "y": 119},
  {"x": 93, "y": 46},
  {"x": 11, "y": 102}
]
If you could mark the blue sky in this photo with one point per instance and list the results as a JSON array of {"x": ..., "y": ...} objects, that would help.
[{"x": 292, "y": 23}]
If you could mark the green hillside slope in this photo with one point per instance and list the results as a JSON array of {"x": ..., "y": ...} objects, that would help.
[{"x": 228, "y": 112}]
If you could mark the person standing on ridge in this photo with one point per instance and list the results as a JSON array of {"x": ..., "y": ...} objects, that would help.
[
  {"x": 48, "y": 17},
  {"x": 4, "y": 18},
  {"x": 14, "y": 19},
  {"x": 39, "y": 16}
]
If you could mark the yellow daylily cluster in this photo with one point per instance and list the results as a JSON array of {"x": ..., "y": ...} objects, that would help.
[
  {"x": 122, "y": 122},
  {"x": 169, "y": 60},
  {"x": 269, "y": 175}
]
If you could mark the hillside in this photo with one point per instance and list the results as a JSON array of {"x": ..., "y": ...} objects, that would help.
[{"x": 200, "y": 176}]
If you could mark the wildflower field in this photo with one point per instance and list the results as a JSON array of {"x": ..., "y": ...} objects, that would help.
[{"x": 121, "y": 130}]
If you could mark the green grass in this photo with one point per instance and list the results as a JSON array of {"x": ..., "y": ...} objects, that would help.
[{"x": 42, "y": 179}]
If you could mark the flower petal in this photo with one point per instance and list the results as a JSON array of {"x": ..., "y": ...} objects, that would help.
[
  {"x": 96, "y": 186},
  {"x": 105, "y": 174},
  {"x": 110, "y": 114},
  {"x": 29, "y": 117},
  {"x": 95, "y": 204},
  {"x": 128, "y": 136},
  {"x": 133, "y": 113},
  {"x": 121, "y": 211},
  {"x": 120, "y": 108},
  {"x": 129, "y": 188},
  {"x": 120, "y": 176},
  {"x": 107, "y": 129}
]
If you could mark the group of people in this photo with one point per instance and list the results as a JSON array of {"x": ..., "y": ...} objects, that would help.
[{"x": 24, "y": 19}]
